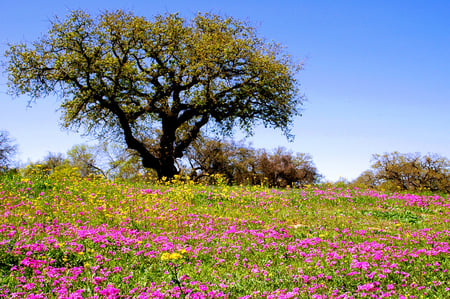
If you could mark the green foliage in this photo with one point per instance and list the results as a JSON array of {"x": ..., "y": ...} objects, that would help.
[
  {"x": 84, "y": 158},
  {"x": 64, "y": 172},
  {"x": 405, "y": 216},
  {"x": 122, "y": 76},
  {"x": 7, "y": 259},
  {"x": 8, "y": 176}
]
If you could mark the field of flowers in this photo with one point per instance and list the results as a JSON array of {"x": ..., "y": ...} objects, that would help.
[{"x": 92, "y": 238}]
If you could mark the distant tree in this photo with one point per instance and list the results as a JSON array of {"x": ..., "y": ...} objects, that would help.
[
  {"x": 109, "y": 160},
  {"x": 241, "y": 164},
  {"x": 412, "y": 171},
  {"x": 46, "y": 166},
  {"x": 125, "y": 77},
  {"x": 282, "y": 168},
  {"x": 119, "y": 162},
  {"x": 7, "y": 150},
  {"x": 367, "y": 179},
  {"x": 234, "y": 160},
  {"x": 85, "y": 159},
  {"x": 52, "y": 160},
  {"x": 129, "y": 167}
]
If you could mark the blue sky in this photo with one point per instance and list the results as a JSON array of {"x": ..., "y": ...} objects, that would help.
[{"x": 376, "y": 74}]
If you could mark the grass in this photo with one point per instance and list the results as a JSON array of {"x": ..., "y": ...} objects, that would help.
[{"x": 92, "y": 238}]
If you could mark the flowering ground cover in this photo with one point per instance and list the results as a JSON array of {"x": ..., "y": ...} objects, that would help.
[{"x": 98, "y": 239}]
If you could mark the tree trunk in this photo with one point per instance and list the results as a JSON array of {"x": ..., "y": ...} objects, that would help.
[
  {"x": 166, "y": 157},
  {"x": 167, "y": 168}
]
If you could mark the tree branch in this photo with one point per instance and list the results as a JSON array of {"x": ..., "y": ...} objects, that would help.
[
  {"x": 193, "y": 134},
  {"x": 148, "y": 160}
]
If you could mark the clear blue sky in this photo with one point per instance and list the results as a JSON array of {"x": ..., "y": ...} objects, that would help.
[{"x": 376, "y": 75}]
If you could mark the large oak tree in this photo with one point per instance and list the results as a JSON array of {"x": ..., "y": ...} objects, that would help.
[{"x": 166, "y": 79}]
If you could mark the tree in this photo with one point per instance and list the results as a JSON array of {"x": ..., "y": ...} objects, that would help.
[
  {"x": 367, "y": 179},
  {"x": 282, "y": 168},
  {"x": 131, "y": 79},
  {"x": 411, "y": 172},
  {"x": 241, "y": 164},
  {"x": 234, "y": 160},
  {"x": 7, "y": 150},
  {"x": 48, "y": 165},
  {"x": 52, "y": 161},
  {"x": 107, "y": 159},
  {"x": 84, "y": 158}
]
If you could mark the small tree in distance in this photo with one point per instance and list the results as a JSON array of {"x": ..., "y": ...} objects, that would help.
[
  {"x": 241, "y": 164},
  {"x": 7, "y": 150},
  {"x": 282, "y": 168},
  {"x": 233, "y": 160},
  {"x": 411, "y": 172},
  {"x": 85, "y": 159},
  {"x": 132, "y": 80},
  {"x": 109, "y": 160}
]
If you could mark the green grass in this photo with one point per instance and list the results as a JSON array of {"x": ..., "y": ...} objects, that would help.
[{"x": 91, "y": 237}]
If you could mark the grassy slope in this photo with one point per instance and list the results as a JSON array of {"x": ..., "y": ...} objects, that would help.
[{"x": 90, "y": 238}]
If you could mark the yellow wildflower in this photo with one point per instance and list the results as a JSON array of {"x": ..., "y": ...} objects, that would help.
[
  {"x": 165, "y": 256},
  {"x": 171, "y": 256},
  {"x": 175, "y": 256}
]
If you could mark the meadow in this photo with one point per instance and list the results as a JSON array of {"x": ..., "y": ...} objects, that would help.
[{"x": 93, "y": 238}]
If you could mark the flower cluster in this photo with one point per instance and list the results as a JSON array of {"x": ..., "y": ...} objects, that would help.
[{"x": 166, "y": 256}]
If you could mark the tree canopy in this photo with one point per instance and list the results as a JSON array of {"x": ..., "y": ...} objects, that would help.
[
  {"x": 167, "y": 79},
  {"x": 411, "y": 171},
  {"x": 241, "y": 164}
]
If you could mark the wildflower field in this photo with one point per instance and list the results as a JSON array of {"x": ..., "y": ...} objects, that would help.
[{"x": 92, "y": 238}]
